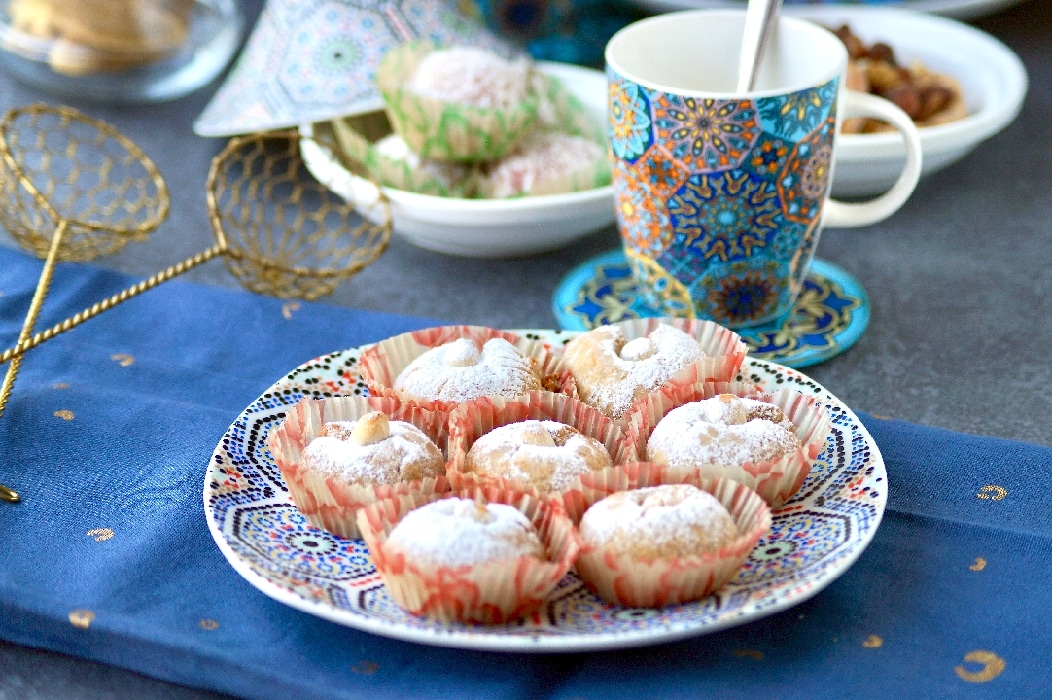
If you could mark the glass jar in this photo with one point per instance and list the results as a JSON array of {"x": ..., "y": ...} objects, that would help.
[{"x": 118, "y": 50}]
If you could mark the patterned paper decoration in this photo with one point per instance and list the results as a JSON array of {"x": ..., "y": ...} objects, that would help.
[{"x": 313, "y": 60}]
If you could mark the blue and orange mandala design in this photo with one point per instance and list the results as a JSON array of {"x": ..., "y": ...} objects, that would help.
[
  {"x": 724, "y": 216},
  {"x": 805, "y": 178},
  {"x": 713, "y": 133},
  {"x": 741, "y": 292},
  {"x": 630, "y": 126},
  {"x": 642, "y": 221}
]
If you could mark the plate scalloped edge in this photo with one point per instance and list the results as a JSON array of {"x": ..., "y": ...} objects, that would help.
[{"x": 268, "y": 542}]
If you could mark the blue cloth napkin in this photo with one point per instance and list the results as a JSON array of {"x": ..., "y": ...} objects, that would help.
[{"x": 108, "y": 557}]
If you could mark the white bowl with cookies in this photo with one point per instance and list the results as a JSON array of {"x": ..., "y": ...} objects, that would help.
[
  {"x": 991, "y": 78},
  {"x": 477, "y": 227}
]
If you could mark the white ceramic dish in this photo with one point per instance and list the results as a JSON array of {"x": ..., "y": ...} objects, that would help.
[
  {"x": 992, "y": 77},
  {"x": 482, "y": 228},
  {"x": 962, "y": 9},
  {"x": 814, "y": 539}
]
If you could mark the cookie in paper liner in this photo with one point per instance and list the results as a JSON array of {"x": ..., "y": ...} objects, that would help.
[
  {"x": 457, "y": 103},
  {"x": 546, "y": 161},
  {"x": 441, "y": 367},
  {"x": 566, "y": 469},
  {"x": 672, "y": 543},
  {"x": 371, "y": 448},
  {"x": 497, "y": 582},
  {"x": 618, "y": 365},
  {"x": 764, "y": 461}
]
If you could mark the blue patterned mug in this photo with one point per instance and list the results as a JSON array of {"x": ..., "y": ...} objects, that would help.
[{"x": 721, "y": 196}]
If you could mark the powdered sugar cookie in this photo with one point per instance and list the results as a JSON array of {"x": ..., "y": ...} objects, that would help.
[
  {"x": 544, "y": 453},
  {"x": 490, "y": 558},
  {"x": 671, "y": 543},
  {"x": 616, "y": 366},
  {"x": 340, "y": 454}
]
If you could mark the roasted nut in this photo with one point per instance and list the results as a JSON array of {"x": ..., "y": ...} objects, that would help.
[
  {"x": 907, "y": 98},
  {"x": 881, "y": 52},
  {"x": 371, "y": 428},
  {"x": 855, "y": 49},
  {"x": 933, "y": 99},
  {"x": 883, "y": 76}
]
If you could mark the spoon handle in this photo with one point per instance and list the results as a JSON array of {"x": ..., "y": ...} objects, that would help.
[{"x": 760, "y": 18}]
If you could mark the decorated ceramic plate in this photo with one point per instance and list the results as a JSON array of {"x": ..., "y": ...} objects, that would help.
[{"x": 813, "y": 540}]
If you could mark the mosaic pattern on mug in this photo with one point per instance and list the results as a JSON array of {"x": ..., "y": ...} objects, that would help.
[
  {"x": 705, "y": 186},
  {"x": 630, "y": 124}
]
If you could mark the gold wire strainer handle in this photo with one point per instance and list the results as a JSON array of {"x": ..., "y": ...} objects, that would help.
[
  {"x": 43, "y": 284},
  {"x": 278, "y": 263},
  {"x": 94, "y": 310},
  {"x": 75, "y": 187}
]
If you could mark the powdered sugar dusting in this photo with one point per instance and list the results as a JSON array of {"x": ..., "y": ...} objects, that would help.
[
  {"x": 461, "y": 532},
  {"x": 457, "y": 371},
  {"x": 542, "y": 157},
  {"x": 722, "y": 430},
  {"x": 460, "y": 353},
  {"x": 547, "y": 454},
  {"x": 637, "y": 350},
  {"x": 612, "y": 379},
  {"x": 670, "y": 519},
  {"x": 471, "y": 76},
  {"x": 407, "y": 454}
]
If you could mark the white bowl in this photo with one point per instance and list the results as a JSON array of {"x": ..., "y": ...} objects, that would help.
[
  {"x": 482, "y": 228},
  {"x": 993, "y": 79},
  {"x": 961, "y": 9}
]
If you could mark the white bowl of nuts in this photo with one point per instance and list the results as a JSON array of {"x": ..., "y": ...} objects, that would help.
[{"x": 960, "y": 84}]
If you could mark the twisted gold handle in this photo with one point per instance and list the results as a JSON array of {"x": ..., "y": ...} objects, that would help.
[
  {"x": 305, "y": 254},
  {"x": 94, "y": 310},
  {"x": 43, "y": 285}
]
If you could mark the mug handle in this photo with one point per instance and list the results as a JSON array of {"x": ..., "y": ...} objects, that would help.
[{"x": 850, "y": 214}]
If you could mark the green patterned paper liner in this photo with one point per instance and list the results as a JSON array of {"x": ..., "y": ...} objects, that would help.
[
  {"x": 442, "y": 130},
  {"x": 351, "y": 136},
  {"x": 392, "y": 172},
  {"x": 401, "y": 175}
]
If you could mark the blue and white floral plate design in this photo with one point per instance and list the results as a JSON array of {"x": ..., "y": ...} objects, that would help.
[{"x": 813, "y": 540}]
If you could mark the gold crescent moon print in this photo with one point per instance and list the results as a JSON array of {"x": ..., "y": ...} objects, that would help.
[{"x": 991, "y": 666}]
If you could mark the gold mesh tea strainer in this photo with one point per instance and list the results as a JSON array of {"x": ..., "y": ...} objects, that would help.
[{"x": 73, "y": 188}]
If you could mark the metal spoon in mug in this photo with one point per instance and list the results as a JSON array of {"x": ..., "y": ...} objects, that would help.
[{"x": 760, "y": 18}]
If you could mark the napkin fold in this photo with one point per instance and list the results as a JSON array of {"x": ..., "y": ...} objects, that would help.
[{"x": 110, "y": 428}]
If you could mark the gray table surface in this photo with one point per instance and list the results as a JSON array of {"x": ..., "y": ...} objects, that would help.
[{"x": 959, "y": 283}]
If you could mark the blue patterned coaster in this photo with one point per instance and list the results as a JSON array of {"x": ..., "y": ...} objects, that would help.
[{"x": 829, "y": 316}]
